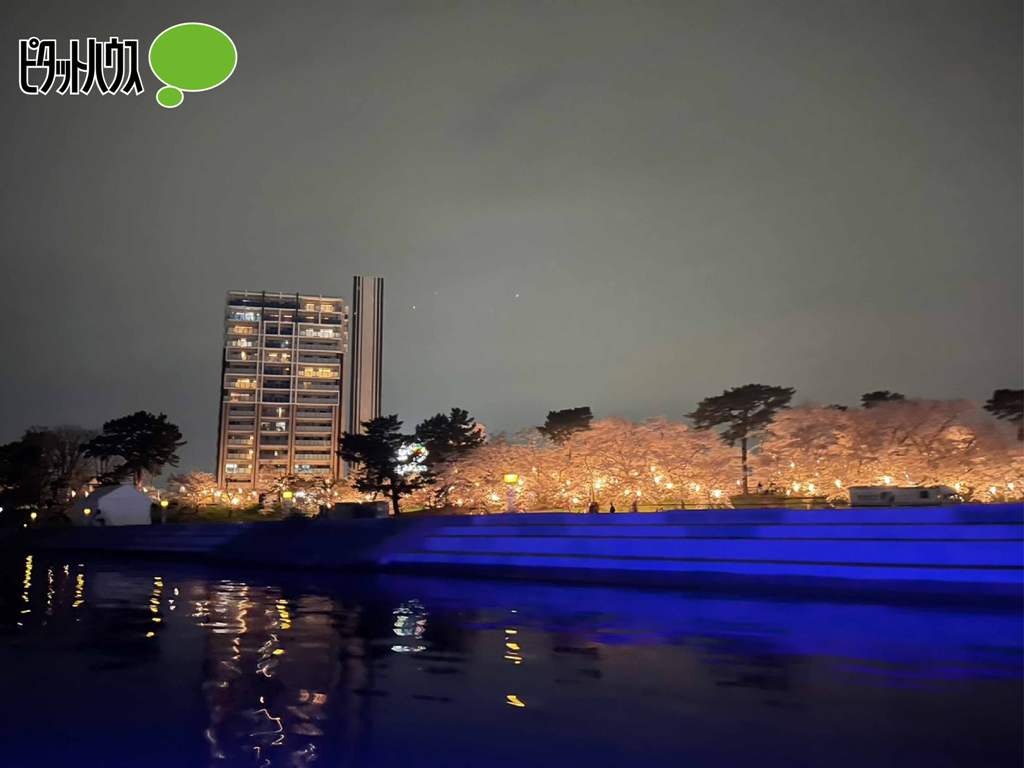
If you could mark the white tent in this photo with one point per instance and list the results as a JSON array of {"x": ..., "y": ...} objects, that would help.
[{"x": 112, "y": 505}]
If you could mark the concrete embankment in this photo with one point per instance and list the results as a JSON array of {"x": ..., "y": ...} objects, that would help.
[{"x": 971, "y": 550}]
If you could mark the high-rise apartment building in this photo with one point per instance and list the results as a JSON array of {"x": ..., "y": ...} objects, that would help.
[
  {"x": 365, "y": 358},
  {"x": 281, "y": 406}
]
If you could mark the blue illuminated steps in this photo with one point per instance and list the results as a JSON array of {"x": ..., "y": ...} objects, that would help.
[{"x": 969, "y": 544}]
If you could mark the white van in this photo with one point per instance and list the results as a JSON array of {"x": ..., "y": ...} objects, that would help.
[{"x": 896, "y": 496}]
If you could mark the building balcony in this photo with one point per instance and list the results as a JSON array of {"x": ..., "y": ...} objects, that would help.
[
  {"x": 278, "y": 442},
  {"x": 245, "y": 299},
  {"x": 318, "y": 332},
  {"x": 280, "y": 303},
  {"x": 318, "y": 371},
  {"x": 321, "y": 389},
  {"x": 235, "y": 315},
  {"x": 272, "y": 397},
  {"x": 319, "y": 413}
]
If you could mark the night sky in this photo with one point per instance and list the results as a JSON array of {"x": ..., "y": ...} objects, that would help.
[{"x": 623, "y": 205}]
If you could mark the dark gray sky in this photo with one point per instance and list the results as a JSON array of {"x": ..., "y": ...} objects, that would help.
[{"x": 685, "y": 196}]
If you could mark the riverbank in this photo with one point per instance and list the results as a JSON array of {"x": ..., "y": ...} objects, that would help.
[{"x": 971, "y": 551}]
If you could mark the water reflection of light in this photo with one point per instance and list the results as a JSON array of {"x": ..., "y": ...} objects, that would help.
[
  {"x": 266, "y": 662},
  {"x": 50, "y": 590},
  {"x": 79, "y": 589},
  {"x": 410, "y": 622},
  {"x": 512, "y": 648},
  {"x": 154, "y": 602},
  {"x": 283, "y": 616},
  {"x": 26, "y": 585}
]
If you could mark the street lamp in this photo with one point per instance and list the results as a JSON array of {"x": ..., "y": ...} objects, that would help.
[{"x": 511, "y": 481}]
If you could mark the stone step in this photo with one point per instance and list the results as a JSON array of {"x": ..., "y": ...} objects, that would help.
[
  {"x": 893, "y": 552},
  {"x": 596, "y": 566},
  {"x": 918, "y": 532},
  {"x": 954, "y": 514}
]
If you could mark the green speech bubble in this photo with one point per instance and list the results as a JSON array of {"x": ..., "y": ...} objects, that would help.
[{"x": 193, "y": 57}]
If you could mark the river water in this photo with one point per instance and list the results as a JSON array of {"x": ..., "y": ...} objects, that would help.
[{"x": 156, "y": 664}]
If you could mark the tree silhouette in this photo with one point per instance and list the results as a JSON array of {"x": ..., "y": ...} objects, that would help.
[
  {"x": 744, "y": 411},
  {"x": 448, "y": 439},
  {"x": 376, "y": 452},
  {"x": 880, "y": 397},
  {"x": 561, "y": 425},
  {"x": 143, "y": 442},
  {"x": 1008, "y": 404},
  {"x": 44, "y": 466}
]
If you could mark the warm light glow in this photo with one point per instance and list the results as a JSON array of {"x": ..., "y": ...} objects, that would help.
[
  {"x": 164, "y": 503},
  {"x": 86, "y": 511},
  {"x": 514, "y": 701},
  {"x": 511, "y": 478},
  {"x": 287, "y": 495},
  {"x": 807, "y": 446},
  {"x": 33, "y": 516}
]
